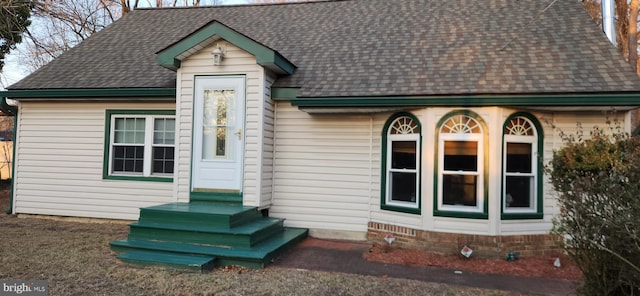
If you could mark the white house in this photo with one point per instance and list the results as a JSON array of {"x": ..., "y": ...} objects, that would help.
[{"x": 428, "y": 120}]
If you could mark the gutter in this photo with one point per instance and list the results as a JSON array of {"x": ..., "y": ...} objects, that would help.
[{"x": 11, "y": 111}]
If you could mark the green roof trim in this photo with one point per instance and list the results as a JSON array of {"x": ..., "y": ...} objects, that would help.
[
  {"x": 625, "y": 99},
  {"x": 289, "y": 93},
  {"x": 90, "y": 93},
  {"x": 265, "y": 56}
]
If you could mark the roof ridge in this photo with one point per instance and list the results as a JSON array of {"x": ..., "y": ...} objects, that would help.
[{"x": 241, "y": 5}]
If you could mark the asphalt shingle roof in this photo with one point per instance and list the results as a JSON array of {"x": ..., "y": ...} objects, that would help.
[{"x": 370, "y": 48}]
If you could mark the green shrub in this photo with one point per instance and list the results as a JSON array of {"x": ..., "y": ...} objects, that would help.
[{"x": 598, "y": 185}]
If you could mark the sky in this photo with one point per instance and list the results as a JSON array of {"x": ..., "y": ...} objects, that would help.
[{"x": 13, "y": 71}]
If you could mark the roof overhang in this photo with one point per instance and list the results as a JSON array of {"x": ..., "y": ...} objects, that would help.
[
  {"x": 541, "y": 102},
  {"x": 172, "y": 56},
  {"x": 89, "y": 93}
]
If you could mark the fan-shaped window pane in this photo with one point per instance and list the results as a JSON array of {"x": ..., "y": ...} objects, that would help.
[
  {"x": 519, "y": 126},
  {"x": 404, "y": 125},
  {"x": 461, "y": 124}
]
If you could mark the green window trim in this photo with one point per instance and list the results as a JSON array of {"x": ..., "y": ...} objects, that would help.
[
  {"x": 107, "y": 143},
  {"x": 484, "y": 213},
  {"x": 383, "y": 182},
  {"x": 538, "y": 213}
]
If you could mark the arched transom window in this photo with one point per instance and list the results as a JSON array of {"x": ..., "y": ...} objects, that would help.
[
  {"x": 401, "y": 184},
  {"x": 403, "y": 126},
  {"x": 519, "y": 126},
  {"x": 461, "y": 124}
]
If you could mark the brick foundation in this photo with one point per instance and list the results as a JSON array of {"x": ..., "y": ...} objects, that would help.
[{"x": 486, "y": 246}]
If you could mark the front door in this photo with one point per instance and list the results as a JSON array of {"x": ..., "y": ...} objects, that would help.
[{"x": 218, "y": 133}]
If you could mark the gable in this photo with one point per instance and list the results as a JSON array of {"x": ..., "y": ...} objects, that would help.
[{"x": 172, "y": 56}]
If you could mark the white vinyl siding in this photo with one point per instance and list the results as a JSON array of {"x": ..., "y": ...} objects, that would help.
[
  {"x": 268, "y": 130},
  {"x": 322, "y": 175},
  {"x": 59, "y": 152},
  {"x": 236, "y": 62}
]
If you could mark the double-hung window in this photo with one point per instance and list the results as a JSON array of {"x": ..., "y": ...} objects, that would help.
[
  {"x": 461, "y": 168},
  {"x": 401, "y": 164},
  {"x": 521, "y": 198},
  {"x": 140, "y": 145}
]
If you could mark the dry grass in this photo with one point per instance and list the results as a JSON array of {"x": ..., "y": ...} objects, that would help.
[{"x": 76, "y": 260}]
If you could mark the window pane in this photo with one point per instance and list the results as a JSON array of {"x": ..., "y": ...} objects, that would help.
[
  {"x": 164, "y": 131},
  {"x": 519, "y": 126},
  {"x": 519, "y": 157},
  {"x": 221, "y": 103},
  {"x": 118, "y": 165},
  {"x": 403, "y": 126},
  {"x": 459, "y": 190},
  {"x": 403, "y": 186},
  {"x": 139, "y": 137},
  {"x": 403, "y": 155},
  {"x": 519, "y": 192},
  {"x": 163, "y": 160},
  {"x": 128, "y": 159},
  {"x": 119, "y": 123},
  {"x": 129, "y": 131},
  {"x": 461, "y": 124},
  {"x": 221, "y": 141},
  {"x": 217, "y": 123},
  {"x": 130, "y": 124},
  {"x": 460, "y": 156},
  {"x": 118, "y": 137}
]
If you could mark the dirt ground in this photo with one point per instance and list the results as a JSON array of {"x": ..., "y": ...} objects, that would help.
[{"x": 75, "y": 259}]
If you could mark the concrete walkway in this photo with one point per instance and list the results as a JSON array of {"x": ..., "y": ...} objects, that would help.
[{"x": 346, "y": 257}]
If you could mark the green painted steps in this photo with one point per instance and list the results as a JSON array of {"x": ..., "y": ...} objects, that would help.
[
  {"x": 221, "y": 197},
  {"x": 182, "y": 261},
  {"x": 257, "y": 256},
  {"x": 233, "y": 234},
  {"x": 245, "y": 235},
  {"x": 195, "y": 214}
]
